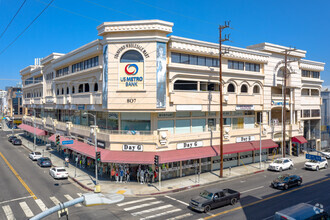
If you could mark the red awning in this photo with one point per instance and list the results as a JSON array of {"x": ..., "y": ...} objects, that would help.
[
  {"x": 265, "y": 144},
  {"x": 33, "y": 130},
  {"x": 237, "y": 147},
  {"x": 299, "y": 139},
  {"x": 128, "y": 157}
]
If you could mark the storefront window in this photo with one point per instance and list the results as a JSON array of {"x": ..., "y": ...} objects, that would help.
[
  {"x": 76, "y": 118},
  {"x": 135, "y": 121},
  {"x": 227, "y": 121},
  {"x": 166, "y": 125},
  {"x": 238, "y": 123},
  {"x": 101, "y": 120},
  {"x": 249, "y": 122},
  {"x": 211, "y": 124},
  {"x": 182, "y": 126},
  {"x": 198, "y": 125},
  {"x": 112, "y": 123}
]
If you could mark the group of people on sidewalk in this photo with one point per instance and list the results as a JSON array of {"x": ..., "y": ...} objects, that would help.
[{"x": 144, "y": 174}]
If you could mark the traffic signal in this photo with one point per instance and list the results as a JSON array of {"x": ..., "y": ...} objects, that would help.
[
  {"x": 294, "y": 149},
  {"x": 98, "y": 156},
  {"x": 57, "y": 140},
  {"x": 156, "y": 160}
]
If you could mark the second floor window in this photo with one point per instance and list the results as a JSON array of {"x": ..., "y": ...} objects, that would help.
[{"x": 236, "y": 65}]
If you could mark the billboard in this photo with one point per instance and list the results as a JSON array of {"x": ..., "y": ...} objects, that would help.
[
  {"x": 161, "y": 75},
  {"x": 105, "y": 78}
]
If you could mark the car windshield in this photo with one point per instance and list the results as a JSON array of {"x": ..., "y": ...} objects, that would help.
[
  {"x": 313, "y": 161},
  {"x": 206, "y": 195},
  {"x": 37, "y": 153},
  {"x": 278, "y": 161},
  {"x": 61, "y": 170},
  {"x": 282, "y": 177}
]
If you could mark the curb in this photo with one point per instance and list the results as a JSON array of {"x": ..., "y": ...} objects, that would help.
[
  {"x": 171, "y": 191},
  {"x": 80, "y": 184}
]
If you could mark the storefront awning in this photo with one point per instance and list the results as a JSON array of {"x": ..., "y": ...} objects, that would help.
[
  {"x": 265, "y": 144},
  {"x": 33, "y": 130},
  {"x": 299, "y": 139},
  {"x": 237, "y": 147},
  {"x": 127, "y": 157}
]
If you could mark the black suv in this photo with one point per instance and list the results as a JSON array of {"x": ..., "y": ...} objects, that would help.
[
  {"x": 285, "y": 181},
  {"x": 16, "y": 141},
  {"x": 11, "y": 137}
]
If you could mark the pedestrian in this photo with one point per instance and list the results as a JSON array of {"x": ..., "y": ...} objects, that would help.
[
  {"x": 155, "y": 176},
  {"x": 146, "y": 176},
  {"x": 117, "y": 176},
  {"x": 127, "y": 176},
  {"x": 67, "y": 161},
  {"x": 138, "y": 175},
  {"x": 121, "y": 175},
  {"x": 113, "y": 174},
  {"x": 142, "y": 176},
  {"x": 80, "y": 163}
]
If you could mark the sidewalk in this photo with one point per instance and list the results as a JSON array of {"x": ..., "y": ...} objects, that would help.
[{"x": 85, "y": 178}]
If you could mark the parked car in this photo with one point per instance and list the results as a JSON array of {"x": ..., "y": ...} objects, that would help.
[
  {"x": 281, "y": 164},
  {"x": 58, "y": 172},
  {"x": 16, "y": 141},
  {"x": 326, "y": 153},
  {"x": 11, "y": 137},
  {"x": 14, "y": 138},
  {"x": 44, "y": 162},
  {"x": 286, "y": 181},
  {"x": 316, "y": 165},
  {"x": 301, "y": 211},
  {"x": 214, "y": 198},
  {"x": 35, "y": 155}
]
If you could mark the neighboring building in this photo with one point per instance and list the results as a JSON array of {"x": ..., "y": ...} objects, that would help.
[
  {"x": 3, "y": 102},
  {"x": 15, "y": 110},
  {"x": 325, "y": 116},
  {"x": 155, "y": 94}
]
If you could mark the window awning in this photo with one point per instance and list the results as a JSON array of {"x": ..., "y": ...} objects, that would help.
[
  {"x": 299, "y": 139},
  {"x": 33, "y": 130},
  {"x": 265, "y": 144},
  {"x": 237, "y": 147}
]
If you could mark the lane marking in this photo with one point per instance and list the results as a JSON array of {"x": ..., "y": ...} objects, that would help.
[
  {"x": 41, "y": 205},
  {"x": 184, "y": 203},
  {"x": 55, "y": 200},
  {"x": 143, "y": 205},
  {"x": 135, "y": 201},
  {"x": 18, "y": 177},
  {"x": 161, "y": 214},
  {"x": 70, "y": 198},
  {"x": 9, "y": 213},
  {"x": 180, "y": 216},
  {"x": 268, "y": 198},
  {"x": 151, "y": 210},
  {"x": 252, "y": 189},
  {"x": 15, "y": 199},
  {"x": 121, "y": 192},
  {"x": 26, "y": 209}
]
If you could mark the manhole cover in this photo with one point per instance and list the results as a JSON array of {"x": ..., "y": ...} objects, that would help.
[
  {"x": 169, "y": 187},
  {"x": 89, "y": 183}
]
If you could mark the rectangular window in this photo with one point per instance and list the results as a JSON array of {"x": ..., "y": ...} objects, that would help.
[
  {"x": 182, "y": 126},
  {"x": 182, "y": 114},
  {"x": 166, "y": 125},
  {"x": 238, "y": 123},
  {"x": 315, "y": 113},
  {"x": 235, "y": 65},
  {"x": 208, "y": 61},
  {"x": 249, "y": 122},
  {"x": 215, "y": 62},
  {"x": 227, "y": 121},
  {"x": 198, "y": 114},
  {"x": 252, "y": 67},
  {"x": 201, "y": 61},
  {"x": 316, "y": 74},
  {"x": 305, "y": 73},
  {"x": 184, "y": 58},
  {"x": 193, "y": 60},
  {"x": 198, "y": 125},
  {"x": 306, "y": 113},
  {"x": 175, "y": 57},
  {"x": 211, "y": 123}
]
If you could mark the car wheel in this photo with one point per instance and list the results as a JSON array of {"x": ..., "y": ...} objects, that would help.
[
  {"x": 317, "y": 168},
  {"x": 326, "y": 166},
  {"x": 299, "y": 183},
  {"x": 286, "y": 186},
  {"x": 280, "y": 169},
  {"x": 233, "y": 201},
  {"x": 207, "y": 208},
  {"x": 290, "y": 167}
]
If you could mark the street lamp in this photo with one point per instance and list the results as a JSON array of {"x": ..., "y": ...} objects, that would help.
[{"x": 95, "y": 138}]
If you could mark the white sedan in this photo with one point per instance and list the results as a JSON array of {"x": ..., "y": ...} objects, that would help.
[
  {"x": 326, "y": 153},
  {"x": 316, "y": 165},
  {"x": 35, "y": 155},
  {"x": 58, "y": 172}
]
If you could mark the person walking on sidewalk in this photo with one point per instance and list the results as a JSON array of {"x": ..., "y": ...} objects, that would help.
[
  {"x": 113, "y": 174},
  {"x": 142, "y": 176},
  {"x": 121, "y": 175},
  {"x": 146, "y": 176},
  {"x": 127, "y": 175},
  {"x": 66, "y": 161},
  {"x": 117, "y": 176}
]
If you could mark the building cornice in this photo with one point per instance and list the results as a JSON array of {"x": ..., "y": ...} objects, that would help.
[
  {"x": 50, "y": 57},
  {"x": 135, "y": 39},
  {"x": 311, "y": 65},
  {"x": 129, "y": 26},
  {"x": 274, "y": 48},
  {"x": 27, "y": 70}
]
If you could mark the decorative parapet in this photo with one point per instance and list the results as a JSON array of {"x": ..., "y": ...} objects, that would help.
[{"x": 311, "y": 65}]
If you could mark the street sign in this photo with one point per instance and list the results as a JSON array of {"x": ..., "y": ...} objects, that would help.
[
  {"x": 67, "y": 142},
  {"x": 313, "y": 157}
]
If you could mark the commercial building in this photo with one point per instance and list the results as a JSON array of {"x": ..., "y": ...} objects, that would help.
[
  {"x": 325, "y": 116},
  {"x": 157, "y": 94},
  {"x": 3, "y": 101},
  {"x": 15, "y": 109}
]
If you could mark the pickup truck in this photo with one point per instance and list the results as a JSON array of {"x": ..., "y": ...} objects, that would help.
[{"x": 214, "y": 198}]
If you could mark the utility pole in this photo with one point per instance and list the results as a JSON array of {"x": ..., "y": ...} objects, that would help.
[
  {"x": 226, "y": 38},
  {"x": 286, "y": 52}
]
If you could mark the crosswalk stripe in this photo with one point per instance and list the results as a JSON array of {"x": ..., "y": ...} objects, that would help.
[
  {"x": 135, "y": 201},
  {"x": 54, "y": 200},
  {"x": 161, "y": 214},
  {"x": 9, "y": 213},
  {"x": 41, "y": 205},
  {"x": 180, "y": 216},
  {"x": 184, "y": 203},
  {"x": 151, "y": 210},
  {"x": 79, "y": 194},
  {"x": 70, "y": 198},
  {"x": 142, "y": 205},
  {"x": 26, "y": 209}
]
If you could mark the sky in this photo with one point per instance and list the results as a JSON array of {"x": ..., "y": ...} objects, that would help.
[{"x": 68, "y": 24}]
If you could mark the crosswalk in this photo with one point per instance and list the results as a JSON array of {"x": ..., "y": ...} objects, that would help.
[
  {"x": 153, "y": 208},
  {"x": 30, "y": 207}
]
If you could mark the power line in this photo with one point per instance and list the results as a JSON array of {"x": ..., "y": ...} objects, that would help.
[
  {"x": 26, "y": 28},
  {"x": 12, "y": 19}
]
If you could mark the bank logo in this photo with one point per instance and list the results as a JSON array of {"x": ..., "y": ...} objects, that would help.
[
  {"x": 318, "y": 208},
  {"x": 131, "y": 66}
]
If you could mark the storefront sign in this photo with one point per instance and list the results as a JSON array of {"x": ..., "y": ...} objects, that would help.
[
  {"x": 81, "y": 107},
  {"x": 244, "y": 107},
  {"x": 244, "y": 139},
  {"x": 131, "y": 76},
  {"x": 166, "y": 115},
  {"x": 131, "y": 45},
  {"x": 279, "y": 103},
  {"x": 189, "y": 145},
  {"x": 129, "y": 147},
  {"x": 101, "y": 144}
]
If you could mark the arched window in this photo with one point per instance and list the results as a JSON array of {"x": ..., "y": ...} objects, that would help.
[
  {"x": 256, "y": 89},
  {"x": 244, "y": 89},
  {"x": 67, "y": 90},
  {"x": 231, "y": 88},
  {"x": 86, "y": 87},
  {"x": 62, "y": 91},
  {"x": 81, "y": 88},
  {"x": 185, "y": 85},
  {"x": 96, "y": 87},
  {"x": 72, "y": 89},
  {"x": 131, "y": 56}
]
